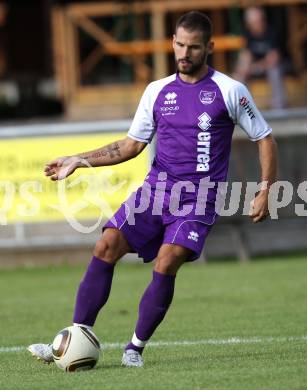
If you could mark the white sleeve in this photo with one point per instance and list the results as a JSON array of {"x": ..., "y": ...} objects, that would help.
[
  {"x": 143, "y": 125},
  {"x": 244, "y": 112}
]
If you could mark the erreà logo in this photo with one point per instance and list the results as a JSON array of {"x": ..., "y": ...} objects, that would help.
[
  {"x": 171, "y": 98},
  {"x": 244, "y": 102},
  {"x": 193, "y": 236}
]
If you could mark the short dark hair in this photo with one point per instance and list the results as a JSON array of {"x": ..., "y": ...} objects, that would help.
[{"x": 195, "y": 20}]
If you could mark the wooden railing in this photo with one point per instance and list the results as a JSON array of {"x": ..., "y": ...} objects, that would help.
[{"x": 71, "y": 20}]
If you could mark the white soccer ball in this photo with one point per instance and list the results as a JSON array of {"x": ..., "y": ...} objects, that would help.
[{"x": 75, "y": 348}]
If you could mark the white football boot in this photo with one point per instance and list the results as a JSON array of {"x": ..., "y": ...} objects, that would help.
[
  {"x": 42, "y": 352},
  {"x": 132, "y": 358}
]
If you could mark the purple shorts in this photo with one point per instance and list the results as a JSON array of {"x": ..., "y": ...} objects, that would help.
[{"x": 153, "y": 224}]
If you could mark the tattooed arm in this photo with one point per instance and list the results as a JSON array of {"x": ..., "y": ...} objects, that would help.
[
  {"x": 111, "y": 154},
  {"x": 114, "y": 153}
]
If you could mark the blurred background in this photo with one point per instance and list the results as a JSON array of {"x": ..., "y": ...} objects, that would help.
[
  {"x": 92, "y": 59},
  {"x": 71, "y": 75}
]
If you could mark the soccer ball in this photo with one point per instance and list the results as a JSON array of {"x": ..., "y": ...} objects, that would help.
[{"x": 75, "y": 348}]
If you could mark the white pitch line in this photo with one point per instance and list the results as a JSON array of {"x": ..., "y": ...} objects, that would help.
[
  {"x": 189, "y": 343},
  {"x": 11, "y": 349}
]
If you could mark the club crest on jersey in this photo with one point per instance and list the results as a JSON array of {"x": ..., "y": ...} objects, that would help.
[{"x": 207, "y": 97}]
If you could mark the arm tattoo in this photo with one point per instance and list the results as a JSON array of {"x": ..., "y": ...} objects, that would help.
[{"x": 113, "y": 150}]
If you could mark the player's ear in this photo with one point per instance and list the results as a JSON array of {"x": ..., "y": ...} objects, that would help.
[
  {"x": 174, "y": 40},
  {"x": 210, "y": 47}
]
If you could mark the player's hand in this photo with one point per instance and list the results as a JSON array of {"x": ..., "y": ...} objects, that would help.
[
  {"x": 259, "y": 207},
  {"x": 62, "y": 167}
]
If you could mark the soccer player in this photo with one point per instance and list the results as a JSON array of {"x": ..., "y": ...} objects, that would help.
[{"x": 193, "y": 113}]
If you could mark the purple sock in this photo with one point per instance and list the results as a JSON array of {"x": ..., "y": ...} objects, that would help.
[
  {"x": 94, "y": 291},
  {"x": 152, "y": 309}
]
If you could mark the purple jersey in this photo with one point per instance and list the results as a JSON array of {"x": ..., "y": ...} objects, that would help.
[{"x": 194, "y": 125}]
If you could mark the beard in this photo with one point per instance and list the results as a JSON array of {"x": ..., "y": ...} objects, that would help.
[{"x": 191, "y": 67}]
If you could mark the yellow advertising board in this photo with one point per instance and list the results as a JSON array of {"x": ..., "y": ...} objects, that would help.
[{"x": 26, "y": 195}]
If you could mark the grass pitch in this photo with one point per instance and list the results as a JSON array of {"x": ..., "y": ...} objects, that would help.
[{"x": 263, "y": 305}]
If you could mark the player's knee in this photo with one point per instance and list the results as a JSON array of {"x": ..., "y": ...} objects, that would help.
[
  {"x": 167, "y": 265},
  {"x": 110, "y": 247}
]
